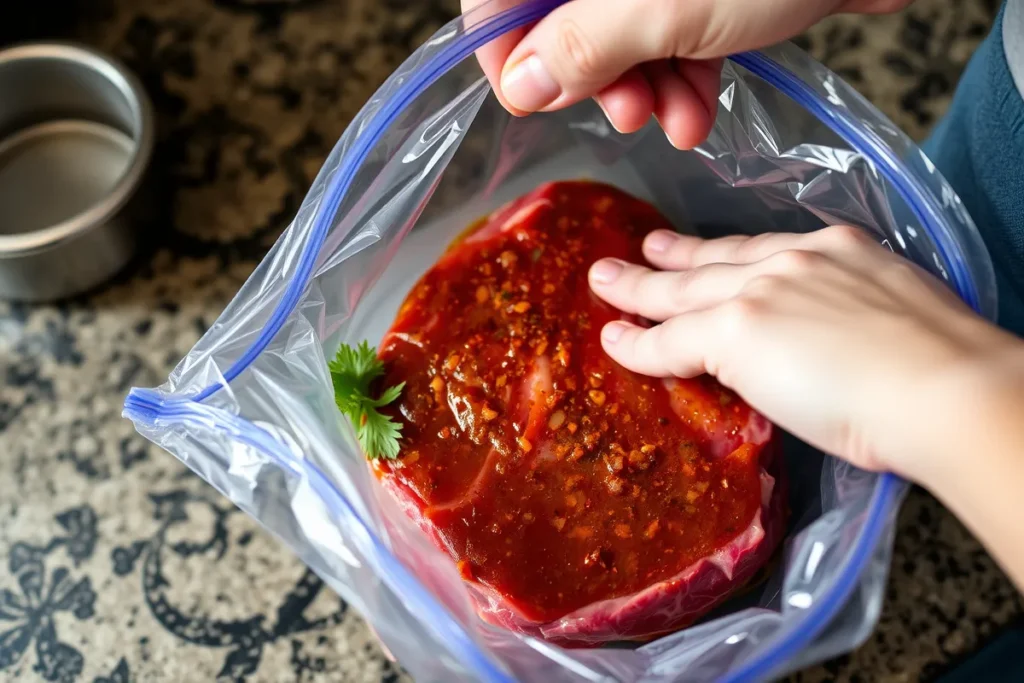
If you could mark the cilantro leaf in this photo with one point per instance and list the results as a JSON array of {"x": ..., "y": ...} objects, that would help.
[
  {"x": 379, "y": 436},
  {"x": 352, "y": 372},
  {"x": 390, "y": 395}
]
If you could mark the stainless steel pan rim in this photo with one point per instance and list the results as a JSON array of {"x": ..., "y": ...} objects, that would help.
[
  {"x": 103, "y": 230},
  {"x": 131, "y": 89}
]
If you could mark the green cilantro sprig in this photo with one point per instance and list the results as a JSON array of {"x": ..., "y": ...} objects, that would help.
[{"x": 352, "y": 371}]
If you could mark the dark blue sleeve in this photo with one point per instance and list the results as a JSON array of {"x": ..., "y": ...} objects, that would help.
[{"x": 979, "y": 148}]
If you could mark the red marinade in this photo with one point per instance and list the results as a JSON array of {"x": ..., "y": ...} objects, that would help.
[{"x": 585, "y": 502}]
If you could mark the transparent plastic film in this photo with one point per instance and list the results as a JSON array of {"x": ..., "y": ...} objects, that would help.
[{"x": 251, "y": 408}]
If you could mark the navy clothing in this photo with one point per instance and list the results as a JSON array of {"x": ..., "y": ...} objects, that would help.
[
  {"x": 998, "y": 662},
  {"x": 979, "y": 148}
]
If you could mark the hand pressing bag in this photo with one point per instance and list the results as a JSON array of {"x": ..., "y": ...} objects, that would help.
[{"x": 252, "y": 409}]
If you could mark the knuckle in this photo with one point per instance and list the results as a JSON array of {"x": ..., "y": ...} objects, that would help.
[
  {"x": 749, "y": 247},
  {"x": 707, "y": 248},
  {"x": 642, "y": 284},
  {"x": 680, "y": 289},
  {"x": 671, "y": 38},
  {"x": 739, "y": 315},
  {"x": 846, "y": 236},
  {"x": 579, "y": 51},
  {"x": 795, "y": 261},
  {"x": 666, "y": 348},
  {"x": 649, "y": 347},
  {"x": 719, "y": 32},
  {"x": 764, "y": 287},
  {"x": 902, "y": 271},
  {"x": 685, "y": 29}
]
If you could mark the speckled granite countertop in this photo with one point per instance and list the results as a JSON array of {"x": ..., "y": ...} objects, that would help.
[{"x": 117, "y": 564}]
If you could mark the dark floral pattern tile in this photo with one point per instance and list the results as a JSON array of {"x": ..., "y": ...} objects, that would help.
[{"x": 118, "y": 565}]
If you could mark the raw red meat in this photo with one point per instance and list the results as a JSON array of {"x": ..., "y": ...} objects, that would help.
[{"x": 584, "y": 503}]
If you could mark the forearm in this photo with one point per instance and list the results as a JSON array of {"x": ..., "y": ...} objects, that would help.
[{"x": 978, "y": 466}]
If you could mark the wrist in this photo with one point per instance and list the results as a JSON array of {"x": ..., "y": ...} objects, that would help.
[
  {"x": 977, "y": 464},
  {"x": 970, "y": 414}
]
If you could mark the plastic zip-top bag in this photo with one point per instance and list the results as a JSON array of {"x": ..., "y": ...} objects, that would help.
[{"x": 252, "y": 409}]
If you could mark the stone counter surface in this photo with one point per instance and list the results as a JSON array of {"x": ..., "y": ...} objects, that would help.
[{"x": 116, "y": 563}]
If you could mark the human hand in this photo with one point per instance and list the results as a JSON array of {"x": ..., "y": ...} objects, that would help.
[
  {"x": 644, "y": 57},
  {"x": 829, "y": 335}
]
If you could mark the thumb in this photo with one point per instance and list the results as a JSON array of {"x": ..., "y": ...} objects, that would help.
[{"x": 584, "y": 46}]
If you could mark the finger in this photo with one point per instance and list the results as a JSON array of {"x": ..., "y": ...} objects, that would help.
[
  {"x": 628, "y": 102},
  {"x": 674, "y": 348},
  {"x": 681, "y": 111},
  {"x": 493, "y": 55},
  {"x": 585, "y": 45},
  {"x": 578, "y": 50},
  {"x": 705, "y": 75},
  {"x": 671, "y": 251},
  {"x": 658, "y": 295}
]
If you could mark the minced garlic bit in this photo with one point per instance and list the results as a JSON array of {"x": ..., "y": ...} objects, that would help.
[
  {"x": 597, "y": 397},
  {"x": 562, "y": 355},
  {"x": 507, "y": 258}
]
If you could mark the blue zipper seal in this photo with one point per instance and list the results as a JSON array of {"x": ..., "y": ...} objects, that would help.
[
  {"x": 147, "y": 407},
  {"x": 419, "y": 81}
]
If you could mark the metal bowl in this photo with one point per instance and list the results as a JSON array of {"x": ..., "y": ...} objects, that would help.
[{"x": 76, "y": 136}]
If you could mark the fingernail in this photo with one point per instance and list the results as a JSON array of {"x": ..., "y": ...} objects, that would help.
[
  {"x": 528, "y": 85},
  {"x": 667, "y": 136},
  {"x": 604, "y": 110},
  {"x": 673, "y": 142},
  {"x": 606, "y": 271},
  {"x": 612, "y": 332},
  {"x": 659, "y": 241}
]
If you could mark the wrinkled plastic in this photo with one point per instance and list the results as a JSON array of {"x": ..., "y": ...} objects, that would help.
[{"x": 251, "y": 407}]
